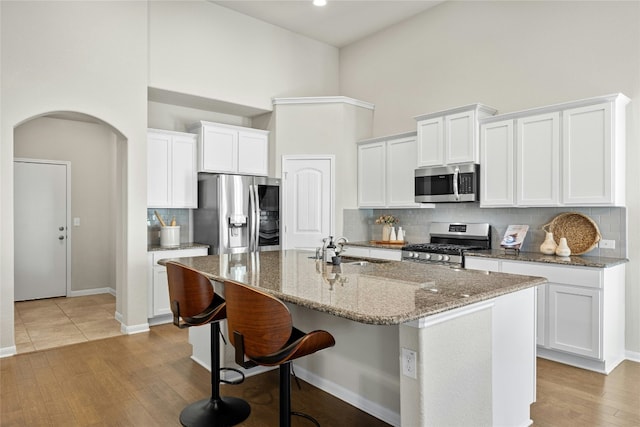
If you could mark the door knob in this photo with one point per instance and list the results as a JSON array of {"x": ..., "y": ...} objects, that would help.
[
  {"x": 60, "y": 237},
  {"x": 61, "y": 228}
]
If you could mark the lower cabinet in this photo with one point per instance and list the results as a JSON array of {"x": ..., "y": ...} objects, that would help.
[
  {"x": 377, "y": 253},
  {"x": 580, "y": 313},
  {"x": 159, "y": 308}
]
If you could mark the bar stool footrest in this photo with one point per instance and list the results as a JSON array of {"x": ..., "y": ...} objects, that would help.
[
  {"x": 234, "y": 382},
  {"x": 307, "y": 416}
]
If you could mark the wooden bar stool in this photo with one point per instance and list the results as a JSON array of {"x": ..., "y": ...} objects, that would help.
[
  {"x": 260, "y": 328},
  {"x": 194, "y": 303}
]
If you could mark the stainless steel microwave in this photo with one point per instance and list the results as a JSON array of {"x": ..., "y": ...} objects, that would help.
[{"x": 448, "y": 184}]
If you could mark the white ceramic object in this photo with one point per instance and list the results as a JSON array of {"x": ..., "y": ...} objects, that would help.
[
  {"x": 400, "y": 236},
  {"x": 548, "y": 247},
  {"x": 170, "y": 236},
  {"x": 563, "y": 249},
  {"x": 392, "y": 235}
]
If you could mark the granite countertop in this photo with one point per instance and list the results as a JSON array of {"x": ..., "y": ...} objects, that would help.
[
  {"x": 191, "y": 245},
  {"x": 379, "y": 293},
  {"x": 580, "y": 261},
  {"x": 369, "y": 244}
]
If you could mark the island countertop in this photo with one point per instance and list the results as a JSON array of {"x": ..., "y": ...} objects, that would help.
[{"x": 379, "y": 292}]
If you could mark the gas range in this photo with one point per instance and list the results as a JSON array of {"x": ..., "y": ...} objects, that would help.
[{"x": 449, "y": 241}]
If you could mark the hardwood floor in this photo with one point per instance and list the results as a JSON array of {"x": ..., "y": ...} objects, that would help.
[{"x": 146, "y": 379}]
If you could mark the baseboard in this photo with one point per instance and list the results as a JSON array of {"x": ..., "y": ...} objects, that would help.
[
  {"x": 8, "y": 351},
  {"x": 354, "y": 399},
  {"x": 632, "y": 355},
  {"x": 119, "y": 317},
  {"x": 96, "y": 291},
  {"x": 161, "y": 320},
  {"x": 134, "y": 329}
]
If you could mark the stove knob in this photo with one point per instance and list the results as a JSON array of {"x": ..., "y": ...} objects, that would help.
[
  {"x": 437, "y": 257},
  {"x": 427, "y": 256},
  {"x": 445, "y": 257}
]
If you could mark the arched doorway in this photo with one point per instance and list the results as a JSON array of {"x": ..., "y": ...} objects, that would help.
[{"x": 97, "y": 154}]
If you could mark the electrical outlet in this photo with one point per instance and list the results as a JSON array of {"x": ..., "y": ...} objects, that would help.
[
  {"x": 76, "y": 222},
  {"x": 607, "y": 244},
  {"x": 409, "y": 363}
]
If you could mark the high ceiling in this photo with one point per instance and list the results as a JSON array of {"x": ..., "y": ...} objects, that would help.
[{"x": 338, "y": 23}]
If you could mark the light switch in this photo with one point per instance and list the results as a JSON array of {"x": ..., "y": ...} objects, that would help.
[{"x": 76, "y": 222}]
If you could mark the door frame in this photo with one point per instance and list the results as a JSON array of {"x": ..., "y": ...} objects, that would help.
[
  {"x": 332, "y": 199},
  {"x": 68, "y": 218}
]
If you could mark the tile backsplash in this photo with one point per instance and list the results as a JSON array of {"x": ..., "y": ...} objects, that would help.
[
  {"x": 183, "y": 219},
  {"x": 359, "y": 224}
]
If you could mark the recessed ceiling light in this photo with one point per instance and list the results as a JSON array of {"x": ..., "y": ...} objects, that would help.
[{"x": 319, "y": 2}]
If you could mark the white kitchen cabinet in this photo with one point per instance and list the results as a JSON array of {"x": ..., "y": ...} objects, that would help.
[
  {"x": 580, "y": 311},
  {"x": 574, "y": 317},
  {"x": 450, "y": 136},
  {"x": 569, "y": 154},
  {"x": 538, "y": 160},
  {"x": 593, "y": 153},
  {"x": 232, "y": 149},
  {"x": 376, "y": 253},
  {"x": 171, "y": 169},
  {"x": 159, "y": 308},
  {"x": 497, "y": 178},
  {"x": 386, "y": 172}
]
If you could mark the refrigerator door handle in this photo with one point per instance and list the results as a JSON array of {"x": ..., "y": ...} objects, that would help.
[
  {"x": 256, "y": 233},
  {"x": 252, "y": 227}
]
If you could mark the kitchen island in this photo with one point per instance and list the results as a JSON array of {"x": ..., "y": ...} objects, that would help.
[{"x": 415, "y": 344}]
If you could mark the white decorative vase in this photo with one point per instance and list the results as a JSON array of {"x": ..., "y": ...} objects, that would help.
[
  {"x": 400, "y": 236},
  {"x": 386, "y": 232},
  {"x": 393, "y": 236},
  {"x": 548, "y": 247},
  {"x": 563, "y": 249}
]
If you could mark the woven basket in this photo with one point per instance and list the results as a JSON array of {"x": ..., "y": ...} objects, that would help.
[{"x": 581, "y": 232}]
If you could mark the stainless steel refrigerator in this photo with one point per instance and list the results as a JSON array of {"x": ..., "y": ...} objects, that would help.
[{"x": 237, "y": 213}]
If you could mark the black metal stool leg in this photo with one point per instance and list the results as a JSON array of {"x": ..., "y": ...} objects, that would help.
[
  {"x": 285, "y": 398},
  {"x": 216, "y": 411}
]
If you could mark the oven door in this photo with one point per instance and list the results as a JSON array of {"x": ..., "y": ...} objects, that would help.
[{"x": 455, "y": 183}]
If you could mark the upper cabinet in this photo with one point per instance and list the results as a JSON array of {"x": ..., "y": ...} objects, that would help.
[
  {"x": 232, "y": 149},
  {"x": 569, "y": 154},
  {"x": 386, "y": 171},
  {"x": 450, "y": 136},
  {"x": 171, "y": 169}
]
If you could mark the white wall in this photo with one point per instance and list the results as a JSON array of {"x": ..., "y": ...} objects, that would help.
[
  {"x": 512, "y": 56},
  {"x": 331, "y": 128},
  {"x": 202, "y": 49},
  {"x": 88, "y": 57},
  {"x": 91, "y": 149}
]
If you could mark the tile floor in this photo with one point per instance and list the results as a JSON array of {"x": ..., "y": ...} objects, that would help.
[{"x": 55, "y": 322}]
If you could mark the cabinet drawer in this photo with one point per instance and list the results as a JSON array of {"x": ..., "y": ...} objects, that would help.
[
  {"x": 356, "y": 251},
  {"x": 388, "y": 254},
  {"x": 177, "y": 253},
  {"x": 481, "y": 264},
  {"x": 568, "y": 275}
]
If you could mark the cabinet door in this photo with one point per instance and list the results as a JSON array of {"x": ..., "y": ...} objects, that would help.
[
  {"x": 496, "y": 164},
  {"x": 158, "y": 170},
  {"x": 253, "y": 153},
  {"x": 371, "y": 174},
  {"x": 431, "y": 142},
  {"x": 460, "y": 138},
  {"x": 218, "y": 149},
  {"x": 538, "y": 160},
  {"x": 574, "y": 320},
  {"x": 587, "y": 155},
  {"x": 472, "y": 263},
  {"x": 184, "y": 178},
  {"x": 160, "y": 291},
  {"x": 401, "y": 163}
]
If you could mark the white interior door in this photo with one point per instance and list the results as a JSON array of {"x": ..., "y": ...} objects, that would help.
[
  {"x": 308, "y": 200},
  {"x": 40, "y": 227}
]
